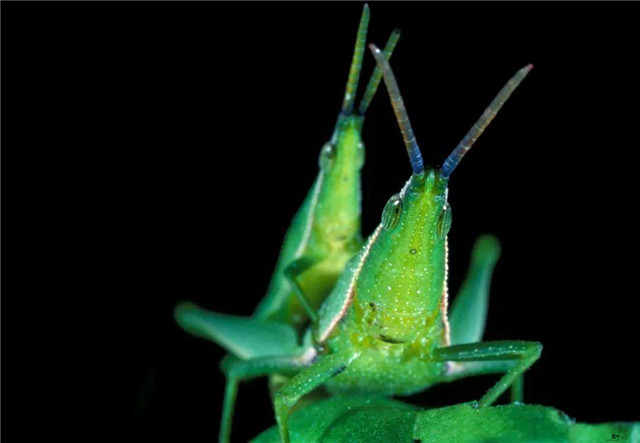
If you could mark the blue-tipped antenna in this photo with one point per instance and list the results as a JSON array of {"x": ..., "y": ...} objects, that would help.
[
  {"x": 478, "y": 128},
  {"x": 415, "y": 156},
  {"x": 356, "y": 63}
]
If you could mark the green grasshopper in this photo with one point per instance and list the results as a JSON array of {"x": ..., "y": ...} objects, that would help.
[{"x": 384, "y": 328}]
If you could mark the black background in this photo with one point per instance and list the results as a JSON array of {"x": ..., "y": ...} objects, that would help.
[{"x": 156, "y": 152}]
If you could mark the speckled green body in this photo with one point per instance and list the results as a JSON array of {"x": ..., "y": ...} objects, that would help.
[
  {"x": 326, "y": 228},
  {"x": 323, "y": 236},
  {"x": 396, "y": 294},
  {"x": 384, "y": 329}
]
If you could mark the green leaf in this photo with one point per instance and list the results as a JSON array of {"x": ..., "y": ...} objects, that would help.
[
  {"x": 622, "y": 432},
  {"x": 465, "y": 423},
  {"x": 512, "y": 423},
  {"x": 369, "y": 419},
  {"x": 349, "y": 419}
]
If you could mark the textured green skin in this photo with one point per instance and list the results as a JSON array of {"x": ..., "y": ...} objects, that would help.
[
  {"x": 326, "y": 228},
  {"x": 384, "y": 330},
  {"x": 370, "y": 419},
  {"x": 396, "y": 318}
]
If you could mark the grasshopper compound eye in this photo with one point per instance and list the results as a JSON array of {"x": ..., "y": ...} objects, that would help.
[
  {"x": 392, "y": 212},
  {"x": 327, "y": 156}
]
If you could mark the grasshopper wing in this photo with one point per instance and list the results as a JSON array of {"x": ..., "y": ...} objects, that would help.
[{"x": 245, "y": 337}]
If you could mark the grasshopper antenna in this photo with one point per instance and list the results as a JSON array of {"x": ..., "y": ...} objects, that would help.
[
  {"x": 415, "y": 156},
  {"x": 374, "y": 81},
  {"x": 487, "y": 116},
  {"x": 356, "y": 63}
]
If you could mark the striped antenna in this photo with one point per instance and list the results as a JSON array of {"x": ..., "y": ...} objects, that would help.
[
  {"x": 487, "y": 116},
  {"x": 374, "y": 81},
  {"x": 356, "y": 63},
  {"x": 415, "y": 157}
]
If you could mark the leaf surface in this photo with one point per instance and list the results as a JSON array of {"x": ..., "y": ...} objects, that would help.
[{"x": 370, "y": 419}]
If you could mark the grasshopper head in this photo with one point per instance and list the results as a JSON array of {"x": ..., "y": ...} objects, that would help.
[
  {"x": 341, "y": 159},
  {"x": 404, "y": 276},
  {"x": 402, "y": 287}
]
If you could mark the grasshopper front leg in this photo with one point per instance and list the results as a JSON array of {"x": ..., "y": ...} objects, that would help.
[
  {"x": 469, "y": 312},
  {"x": 512, "y": 358},
  {"x": 305, "y": 381},
  {"x": 237, "y": 370},
  {"x": 292, "y": 272}
]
